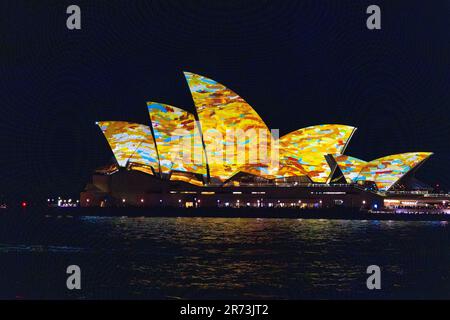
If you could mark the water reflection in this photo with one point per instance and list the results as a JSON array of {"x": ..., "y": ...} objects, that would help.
[{"x": 225, "y": 258}]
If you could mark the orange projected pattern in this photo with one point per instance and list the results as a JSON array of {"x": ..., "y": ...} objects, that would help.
[
  {"x": 388, "y": 170},
  {"x": 262, "y": 170},
  {"x": 143, "y": 169},
  {"x": 349, "y": 166},
  {"x": 130, "y": 143},
  {"x": 222, "y": 112},
  {"x": 185, "y": 178},
  {"x": 145, "y": 154},
  {"x": 237, "y": 140},
  {"x": 177, "y": 138},
  {"x": 303, "y": 151}
]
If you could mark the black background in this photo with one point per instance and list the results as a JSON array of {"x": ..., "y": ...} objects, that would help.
[{"x": 298, "y": 63}]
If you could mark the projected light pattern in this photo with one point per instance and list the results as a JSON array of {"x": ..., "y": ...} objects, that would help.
[
  {"x": 143, "y": 169},
  {"x": 349, "y": 166},
  {"x": 289, "y": 167},
  {"x": 231, "y": 138},
  {"x": 304, "y": 150},
  {"x": 177, "y": 138},
  {"x": 179, "y": 176},
  {"x": 130, "y": 143},
  {"x": 262, "y": 170},
  {"x": 232, "y": 130},
  {"x": 386, "y": 171}
]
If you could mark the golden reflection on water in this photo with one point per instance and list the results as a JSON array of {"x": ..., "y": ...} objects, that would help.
[
  {"x": 228, "y": 258},
  {"x": 255, "y": 258}
]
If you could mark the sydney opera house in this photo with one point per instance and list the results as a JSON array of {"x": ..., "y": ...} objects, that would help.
[{"x": 226, "y": 156}]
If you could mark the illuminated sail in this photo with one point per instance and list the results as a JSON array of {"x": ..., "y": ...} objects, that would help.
[
  {"x": 130, "y": 143},
  {"x": 177, "y": 139},
  {"x": 349, "y": 166},
  {"x": 234, "y": 134},
  {"x": 386, "y": 171},
  {"x": 303, "y": 151}
]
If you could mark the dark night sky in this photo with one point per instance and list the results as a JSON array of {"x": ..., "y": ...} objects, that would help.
[{"x": 298, "y": 63}]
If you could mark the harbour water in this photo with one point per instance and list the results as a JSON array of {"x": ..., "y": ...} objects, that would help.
[{"x": 222, "y": 258}]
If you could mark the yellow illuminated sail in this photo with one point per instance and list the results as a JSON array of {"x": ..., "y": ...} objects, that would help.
[
  {"x": 177, "y": 139},
  {"x": 386, "y": 171},
  {"x": 130, "y": 143},
  {"x": 303, "y": 151},
  {"x": 349, "y": 166},
  {"x": 232, "y": 130}
]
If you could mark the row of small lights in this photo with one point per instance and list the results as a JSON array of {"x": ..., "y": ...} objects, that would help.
[
  {"x": 24, "y": 204},
  {"x": 64, "y": 201},
  {"x": 198, "y": 201},
  {"x": 179, "y": 200},
  {"x": 123, "y": 200}
]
